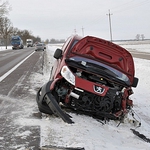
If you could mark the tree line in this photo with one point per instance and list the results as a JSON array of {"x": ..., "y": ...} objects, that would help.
[{"x": 7, "y": 30}]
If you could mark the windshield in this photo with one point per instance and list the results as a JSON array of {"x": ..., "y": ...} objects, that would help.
[
  {"x": 15, "y": 40},
  {"x": 99, "y": 68},
  {"x": 38, "y": 44}
]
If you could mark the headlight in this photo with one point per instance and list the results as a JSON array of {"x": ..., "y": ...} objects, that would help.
[{"x": 68, "y": 75}]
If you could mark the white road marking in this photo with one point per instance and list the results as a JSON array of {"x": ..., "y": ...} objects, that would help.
[{"x": 15, "y": 67}]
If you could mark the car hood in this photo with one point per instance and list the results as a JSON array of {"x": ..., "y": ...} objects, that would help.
[{"x": 105, "y": 52}]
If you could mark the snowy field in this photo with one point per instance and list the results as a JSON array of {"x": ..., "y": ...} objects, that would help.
[
  {"x": 87, "y": 132},
  {"x": 137, "y": 47}
]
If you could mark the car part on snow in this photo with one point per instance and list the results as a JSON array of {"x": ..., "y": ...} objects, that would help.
[
  {"x": 132, "y": 118},
  {"x": 142, "y": 136},
  {"x": 91, "y": 76},
  {"x": 60, "y": 148},
  {"x": 43, "y": 107}
]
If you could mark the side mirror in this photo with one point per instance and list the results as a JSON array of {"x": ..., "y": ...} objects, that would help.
[
  {"x": 135, "y": 82},
  {"x": 58, "y": 53}
]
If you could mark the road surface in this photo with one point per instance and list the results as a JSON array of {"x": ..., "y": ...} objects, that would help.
[{"x": 15, "y": 98}]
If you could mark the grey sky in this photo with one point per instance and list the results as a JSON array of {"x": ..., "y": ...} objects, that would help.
[{"x": 61, "y": 18}]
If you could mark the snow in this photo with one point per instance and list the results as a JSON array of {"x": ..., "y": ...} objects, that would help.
[
  {"x": 3, "y": 48},
  {"x": 88, "y": 132},
  {"x": 138, "y": 47}
]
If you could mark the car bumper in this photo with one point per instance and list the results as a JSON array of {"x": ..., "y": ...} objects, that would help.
[{"x": 44, "y": 95}]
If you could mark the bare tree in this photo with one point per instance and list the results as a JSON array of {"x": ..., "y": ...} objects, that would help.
[
  {"x": 142, "y": 36},
  {"x": 4, "y": 8},
  {"x": 25, "y": 34},
  {"x": 15, "y": 31},
  {"x": 37, "y": 39},
  {"x": 47, "y": 41},
  {"x": 137, "y": 37},
  {"x": 6, "y": 29}
]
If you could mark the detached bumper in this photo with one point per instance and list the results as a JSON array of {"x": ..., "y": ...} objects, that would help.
[{"x": 48, "y": 104}]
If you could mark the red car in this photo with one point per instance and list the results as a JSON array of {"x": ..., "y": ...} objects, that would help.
[{"x": 91, "y": 76}]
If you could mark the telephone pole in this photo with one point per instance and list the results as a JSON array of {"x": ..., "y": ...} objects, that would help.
[
  {"x": 82, "y": 31},
  {"x": 109, "y": 15},
  {"x": 75, "y": 31}
]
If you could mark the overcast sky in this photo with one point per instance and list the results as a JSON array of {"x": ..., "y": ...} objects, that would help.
[{"x": 61, "y": 18}]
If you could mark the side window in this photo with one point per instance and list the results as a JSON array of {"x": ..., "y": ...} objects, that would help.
[
  {"x": 74, "y": 43},
  {"x": 66, "y": 44}
]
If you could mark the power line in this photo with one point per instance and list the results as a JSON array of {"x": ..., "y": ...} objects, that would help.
[{"x": 131, "y": 5}]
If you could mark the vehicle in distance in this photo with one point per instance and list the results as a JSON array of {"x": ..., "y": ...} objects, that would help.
[
  {"x": 29, "y": 42},
  {"x": 39, "y": 46},
  {"x": 44, "y": 45},
  {"x": 91, "y": 76},
  {"x": 17, "y": 42}
]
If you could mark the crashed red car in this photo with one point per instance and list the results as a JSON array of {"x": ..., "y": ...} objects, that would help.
[{"x": 91, "y": 76}]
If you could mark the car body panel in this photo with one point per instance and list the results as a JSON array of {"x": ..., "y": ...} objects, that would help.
[
  {"x": 65, "y": 49},
  {"x": 90, "y": 86},
  {"x": 90, "y": 75},
  {"x": 106, "y": 52}
]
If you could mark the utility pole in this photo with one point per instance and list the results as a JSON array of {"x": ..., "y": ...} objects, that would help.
[
  {"x": 82, "y": 31},
  {"x": 109, "y": 15},
  {"x": 75, "y": 31}
]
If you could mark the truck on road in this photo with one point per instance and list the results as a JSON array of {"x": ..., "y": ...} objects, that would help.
[
  {"x": 29, "y": 42},
  {"x": 17, "y": 42}
]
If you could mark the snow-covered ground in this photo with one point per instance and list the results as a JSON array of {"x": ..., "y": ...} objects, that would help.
[
  {"x": 137, "y": 47},
  {"x": 3, "y": 48},
  {"x": 87, "y": 132}
]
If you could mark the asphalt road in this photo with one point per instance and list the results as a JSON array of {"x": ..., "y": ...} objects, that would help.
[
  {"x": 16, "y": 67},
  {"x": 15, "y": 98}
]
